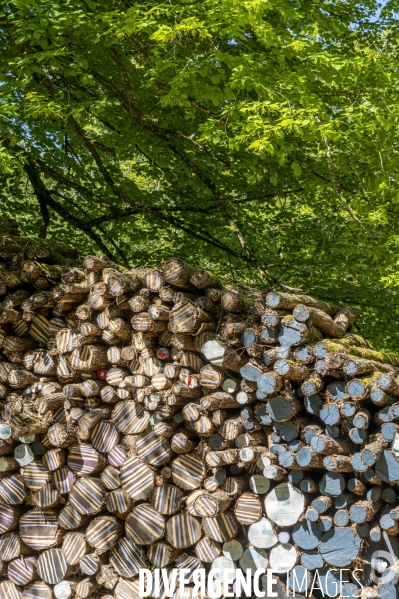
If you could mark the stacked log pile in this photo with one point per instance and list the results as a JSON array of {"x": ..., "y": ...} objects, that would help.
[{"x": 150, "y": 418}]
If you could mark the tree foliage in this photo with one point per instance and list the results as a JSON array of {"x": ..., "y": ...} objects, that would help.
[{"x": 257, "y": 138}]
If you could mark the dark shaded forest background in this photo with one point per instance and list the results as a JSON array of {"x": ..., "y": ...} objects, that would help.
[{"x": 255, "y": 138}]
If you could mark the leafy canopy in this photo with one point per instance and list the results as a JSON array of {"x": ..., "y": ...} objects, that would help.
[{"x": 257, "y": 138}]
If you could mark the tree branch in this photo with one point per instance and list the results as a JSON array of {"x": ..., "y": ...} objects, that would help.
[
  {"x": 117, "y": 213},
  {"x": 189, "y": 228},
  {"x": 44, "y": 196},
  {"x": 45, "y": 216},
  {"x": 63, "y": 180},
  {"x": 92, "y": 224},
  {"x": 100, "y": 164}
]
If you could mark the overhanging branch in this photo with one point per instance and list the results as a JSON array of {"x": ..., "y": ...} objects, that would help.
[{"x": 45, "y": 198}]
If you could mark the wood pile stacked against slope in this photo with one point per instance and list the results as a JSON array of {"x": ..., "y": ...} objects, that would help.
[{"x": 153, "y": 419}]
